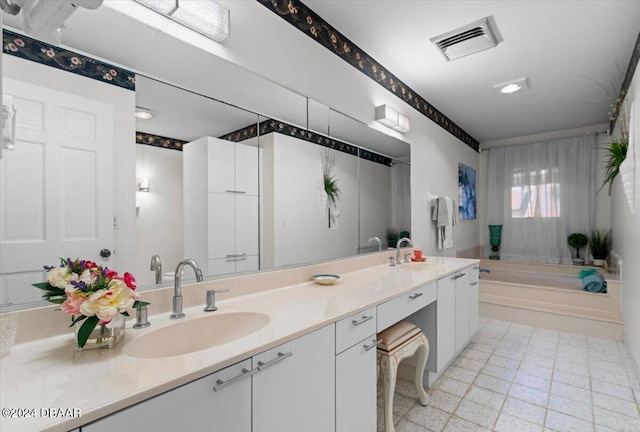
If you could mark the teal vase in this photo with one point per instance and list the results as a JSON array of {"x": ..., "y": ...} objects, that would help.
[{"x": 495, "y": 237}]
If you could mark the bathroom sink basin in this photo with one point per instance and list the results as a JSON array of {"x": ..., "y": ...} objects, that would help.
[
  {"x": 421, "y": 266},
  {"x": 189, "y": 336}
]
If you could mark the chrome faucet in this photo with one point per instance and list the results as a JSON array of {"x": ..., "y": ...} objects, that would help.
[
  {"x": 156, "y": 265},
  {"x": 402, "y": 240},
  {"x": 377, "y": 240},
  {"x": 177, "y": 289}
]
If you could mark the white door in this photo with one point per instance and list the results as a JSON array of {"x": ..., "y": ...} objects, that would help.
[{"x": 56, "y": 186}]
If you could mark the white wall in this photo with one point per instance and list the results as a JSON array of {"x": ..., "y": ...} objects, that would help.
[
  {"x": 626, "y": 235},
  {"x": 123, "y": 101},
  {"x": 159, "y": 216}
]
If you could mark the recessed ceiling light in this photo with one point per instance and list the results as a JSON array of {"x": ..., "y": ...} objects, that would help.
[
  {"x": 145, "y": 113},
  {"x": 512, "y": 86}
]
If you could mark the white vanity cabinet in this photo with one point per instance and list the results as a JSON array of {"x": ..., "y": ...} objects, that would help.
[
  {"x": 220, "y": 198},
  {"x": 474, "y": 299},
  {"x": 294, "y": 387},
  {"x": 220, "y": 401},
  {"x": 453, "y": 320},
  {"x": 356, "y": 372}
]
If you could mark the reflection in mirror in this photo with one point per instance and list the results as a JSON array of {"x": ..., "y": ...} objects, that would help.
[
  {"x": 202, "y": 201},
  {"x": 383, "y": 179}
]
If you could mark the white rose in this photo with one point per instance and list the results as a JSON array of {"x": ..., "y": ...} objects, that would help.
[
  {"x": 88, "y": 277},
  {"x": 106, "y": 303},
  {"x": 61, "y": 277}
]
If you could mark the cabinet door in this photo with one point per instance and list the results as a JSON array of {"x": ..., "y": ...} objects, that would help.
[
  {"x": 246, "y": 233},
  {"x": 246, "y": 176},
  {"x": 192, "y": 407},
  {"x": 220, "y": 165},
  {"x": 221, "y": 266},
  {"x": 356, "y": 388},
  {"x": 462, "y": 310},
  {"x": 446, "y": 323},
  {"x": 247, "y": 263},
  {"x": 474, "y": 299},
  {"x": 295, "y": 388},
  {"x": 221, "y": 225}
]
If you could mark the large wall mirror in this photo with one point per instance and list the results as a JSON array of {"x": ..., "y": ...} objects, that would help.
[{"x": 214, "y": 180}]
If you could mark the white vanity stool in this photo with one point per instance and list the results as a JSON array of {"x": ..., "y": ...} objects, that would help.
[{"x": 400, "y": 341}]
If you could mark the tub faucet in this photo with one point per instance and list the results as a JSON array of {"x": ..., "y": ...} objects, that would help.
[
  {"x": 177, "y": 289},
  {"x": 402, "y": 240},
  {"x": 376, "y": 240},
  {"x": 156, "y": 265}
]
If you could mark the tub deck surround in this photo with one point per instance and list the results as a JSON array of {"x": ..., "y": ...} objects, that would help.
[
  {"x": 552, "y": 297},
  {"x": 46, "y": 373}
]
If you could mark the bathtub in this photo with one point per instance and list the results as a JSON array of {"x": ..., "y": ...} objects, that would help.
[{"x": 550, "y": 296}]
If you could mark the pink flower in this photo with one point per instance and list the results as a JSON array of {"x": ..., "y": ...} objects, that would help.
[
  {"x": 50, "y": 53},
  {"x": 106, "y": 303},
  {"x": 75, "y": 60},
  {"x": 12, "y": 47},
  {"x": 19, "y": 42},
  {"x": 90, "y": 264},
  {"x": 108, "y": 77},
  {"x": 130, "y": 280},
  {"x": 72, "y": 304},
  {"x": 113, "y": 72}
]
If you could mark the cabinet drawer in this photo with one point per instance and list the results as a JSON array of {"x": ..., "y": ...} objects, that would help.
[
  {"x": 355, "y": 328},
  {"x": 405, "y": 304}
]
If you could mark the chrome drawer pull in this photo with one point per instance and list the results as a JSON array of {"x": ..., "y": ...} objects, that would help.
[
  {"x": 281, "y": 356},
  {"x": 236, "y": 255},
  {"x": 364, "y": 319},
  {"x": 462, "y": 274},
  {"x": 223, "y": 384},
  {"x": 473, "y": 283},
  {"x": 235, "y": 191},
  {"x": 415, "y": 296},
  {"x": 454, "y": 277},
  {"x": 372, "y": 345}
]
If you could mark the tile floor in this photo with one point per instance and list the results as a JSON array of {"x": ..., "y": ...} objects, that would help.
[{"x": 517, "y": 378}]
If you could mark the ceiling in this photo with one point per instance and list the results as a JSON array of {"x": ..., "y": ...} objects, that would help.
[{"x": 574, "y": 54}]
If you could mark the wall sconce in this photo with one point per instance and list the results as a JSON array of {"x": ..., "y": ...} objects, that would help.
[
  {"x": 393, "y": 119},
  {"x": 143, "y": 186},
  {"x": 205, "y": 17}
]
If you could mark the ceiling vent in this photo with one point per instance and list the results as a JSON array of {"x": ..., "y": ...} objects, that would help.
[{"x": 470, "y": 39}]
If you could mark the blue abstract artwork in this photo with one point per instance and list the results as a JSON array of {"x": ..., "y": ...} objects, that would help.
[{"x": 466, "y": 192}]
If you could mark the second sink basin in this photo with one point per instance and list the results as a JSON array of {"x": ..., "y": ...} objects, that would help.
[{"x": 189, "y": 336}]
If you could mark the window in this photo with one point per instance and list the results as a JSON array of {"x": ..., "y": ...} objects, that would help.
[{"x": 535, "y": 194}]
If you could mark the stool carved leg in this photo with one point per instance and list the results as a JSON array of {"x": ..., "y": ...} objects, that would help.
[
  {"x": 423, "y": 354},
  {"x": 389, "y": 367}
]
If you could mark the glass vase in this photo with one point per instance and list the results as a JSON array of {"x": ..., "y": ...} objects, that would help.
[
  {"x": 104, "y": 336},
  {"x": 495, "y": 238}
]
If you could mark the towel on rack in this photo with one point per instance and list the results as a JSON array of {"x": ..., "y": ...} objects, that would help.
[{"x": 444, "y": 213}]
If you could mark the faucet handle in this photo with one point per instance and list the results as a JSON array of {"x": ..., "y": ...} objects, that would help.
[
  {"x": 142, "y": 320},
  {"x": 406, "y": 257},
  {"x": 211, "y": 300},
  {"x": 392, "y": 261}
]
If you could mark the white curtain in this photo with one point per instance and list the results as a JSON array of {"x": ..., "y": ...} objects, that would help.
[{"x": 541, "y": 193}]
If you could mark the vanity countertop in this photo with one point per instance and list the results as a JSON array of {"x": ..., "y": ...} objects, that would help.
[{"x": 46, "y": 373}]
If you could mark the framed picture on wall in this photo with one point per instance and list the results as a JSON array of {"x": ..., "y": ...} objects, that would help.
[{"x": 467, "y": 192}]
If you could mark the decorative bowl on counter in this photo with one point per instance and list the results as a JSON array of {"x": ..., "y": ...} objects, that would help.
[{"x": 325, "y": 279}]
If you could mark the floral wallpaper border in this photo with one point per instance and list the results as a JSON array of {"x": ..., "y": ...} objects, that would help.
[
  {"x": 304, "y": 19},
  {"x": 268, "y": 126},
  {"x": 159, "y": 141},
  {"x": 40, "y": 52},
  {"x": 624, "y": 88}
]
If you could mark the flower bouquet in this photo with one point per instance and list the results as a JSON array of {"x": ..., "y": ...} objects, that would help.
[{"x": 93, "y": 294}]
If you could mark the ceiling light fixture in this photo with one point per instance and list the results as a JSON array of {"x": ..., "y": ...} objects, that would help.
[
  {"x": 512, "y": 86},
  {"x": 145, "y": 113},
  {"x": 391, "y": 118},
  {"x": 203, "y": 16}
]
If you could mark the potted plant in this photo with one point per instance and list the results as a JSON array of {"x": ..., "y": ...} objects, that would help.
[
  {"x": 600, "y": 245},
  {"x": 392, "y": 236},
  {"x": 578, "y": 241},
  {"x": 330, "y": 182},
  {"x": 616, "y": 153}
]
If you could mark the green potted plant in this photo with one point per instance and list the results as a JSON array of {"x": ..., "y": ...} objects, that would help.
[
  {"x": 578, "y": 241},
  {"x": 328, "y": 176},
  {"x": 392, "y": 236},
  {"x": 616, "y": 154},
  {"x": 600, "y": 245}
]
